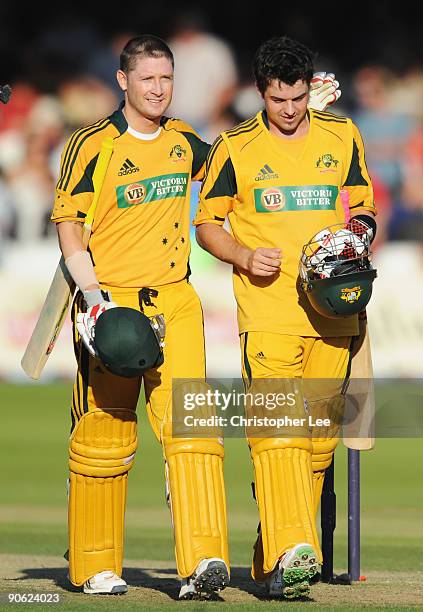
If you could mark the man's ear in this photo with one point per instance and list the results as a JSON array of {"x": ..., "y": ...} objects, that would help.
[{"x": 122, "y": 79}]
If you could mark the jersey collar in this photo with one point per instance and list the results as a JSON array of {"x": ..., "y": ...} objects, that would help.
[
  {"x": 118, "y": 119},
  {"x": 265, "y": 118}
]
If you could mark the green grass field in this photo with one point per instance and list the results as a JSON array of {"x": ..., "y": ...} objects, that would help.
[{"x": 35, "y": 424}]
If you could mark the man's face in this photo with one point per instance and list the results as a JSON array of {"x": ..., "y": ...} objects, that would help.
[
  {"x": 148, "y": 86},
  {"x": 286, "y": 105}
]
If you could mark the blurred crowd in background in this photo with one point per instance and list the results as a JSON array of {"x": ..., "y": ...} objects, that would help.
[
  {"x": 73, "y": 84},
  {"x": 62, "y": 65}
]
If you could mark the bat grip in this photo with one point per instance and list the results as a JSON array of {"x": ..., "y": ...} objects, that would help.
[{"x": 345, "y": 199}]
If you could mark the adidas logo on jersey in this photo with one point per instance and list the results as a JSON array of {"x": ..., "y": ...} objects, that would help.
[
  {"x": 128, "y": 167},
  {"x": 260, "y": 355},
  {"x": 266, "y": 173}
]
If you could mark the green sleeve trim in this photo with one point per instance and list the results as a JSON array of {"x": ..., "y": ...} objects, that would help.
[
  {"x": 73, "y": 153},
  {"x": 200, "y": 150},
  {"x": 86, "y": 184},
  {"x": 225, "y": 184},
  {"x": 355, "y": 176}
]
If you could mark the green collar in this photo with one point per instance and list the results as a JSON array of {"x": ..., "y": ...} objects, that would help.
[{"x": 118, "y": 119}]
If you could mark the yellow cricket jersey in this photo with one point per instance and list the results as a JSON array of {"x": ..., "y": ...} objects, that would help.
[
  {"x": 279, "y": 193},
  {"x": 140, "y": 235}
]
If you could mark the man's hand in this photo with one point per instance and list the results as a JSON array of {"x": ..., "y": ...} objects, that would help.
[
  {"x": 85, "y": 323},
  {"x": 324, "y": 90},
  {"x": 257, "y": 262},
  {"x": 263, "y": 262},
  {"x": 361, "y": 226}
]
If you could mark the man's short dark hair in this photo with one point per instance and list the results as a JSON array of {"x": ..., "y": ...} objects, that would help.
[
  {"x": 146, "y": 45},
  {"x": 283, "y": 59}
]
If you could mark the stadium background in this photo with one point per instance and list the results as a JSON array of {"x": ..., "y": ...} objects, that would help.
[{"x": 61, "y": 69}]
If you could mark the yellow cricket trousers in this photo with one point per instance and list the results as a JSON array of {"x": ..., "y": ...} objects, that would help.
[
  {"x": 104, "y": 440},
  {"x": 289, "y": 468}
]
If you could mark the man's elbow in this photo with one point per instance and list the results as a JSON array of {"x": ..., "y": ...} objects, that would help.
[{"x": 201, "y": 234}]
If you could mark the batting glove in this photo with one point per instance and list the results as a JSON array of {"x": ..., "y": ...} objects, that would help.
[
  {"x": 324, "y": 90},
  {"x": 362, "y": 227},
  {"x": 85, "y": 324},
  {"x": 346, "y": 240}
]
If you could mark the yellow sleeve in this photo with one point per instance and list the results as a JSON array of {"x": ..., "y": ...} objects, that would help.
[
  {"x": 75, "y": 189},
  {"x": 219, "y": 187},
  {"x": 358, "y": 183}
]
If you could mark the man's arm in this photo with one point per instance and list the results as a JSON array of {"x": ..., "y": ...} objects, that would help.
[
  {"x": 357, "y": 190},
  {"x": 56, "y": 304},
  {"x": 78, "y": 262},
  {"x": 77, "y": 258},
  {"x": 218, "y": 242},
  {"x": 70, "y": 237},
  {"x": 217, "y": 198}
]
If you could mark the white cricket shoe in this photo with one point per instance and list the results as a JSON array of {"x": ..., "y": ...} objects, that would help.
[
  {"x": 105, "y": 583},
  {"x": 211, "y": 575},
  {"x": 292, "y": 576}
]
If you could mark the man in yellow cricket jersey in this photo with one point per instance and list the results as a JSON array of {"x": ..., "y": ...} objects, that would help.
[
  {"x": 138, "y": 258},
  {"x": 278, "y": 177}
]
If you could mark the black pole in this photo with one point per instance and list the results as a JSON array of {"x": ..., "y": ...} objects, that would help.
[
  {"x": 328, "y": 522},
  {"x": 354, "y": 514}
]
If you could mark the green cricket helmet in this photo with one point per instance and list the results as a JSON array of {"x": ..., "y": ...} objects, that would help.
[
  {"x": 336, "y": 270},
  {"x": 128, "y": 342}
]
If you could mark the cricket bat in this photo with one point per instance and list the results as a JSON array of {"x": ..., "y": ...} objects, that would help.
[
  {"x": 362, "y": 386},
  {"x": 62, "y": 288}
]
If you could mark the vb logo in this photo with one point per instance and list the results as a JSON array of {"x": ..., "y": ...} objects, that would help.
[
  {"x": 135, "y": 193},
  {"x": 272, "y": 199}
]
